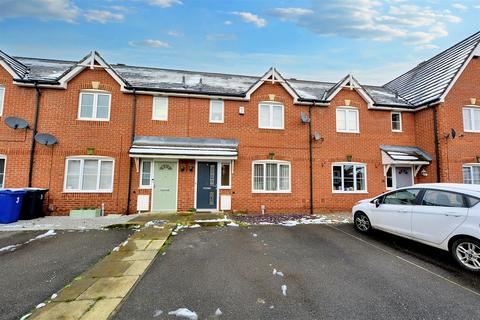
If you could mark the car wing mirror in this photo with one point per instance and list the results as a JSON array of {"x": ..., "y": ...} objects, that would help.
[{"x": 376, "y": 202}]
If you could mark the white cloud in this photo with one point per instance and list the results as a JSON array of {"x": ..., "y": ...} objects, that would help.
[
  {"x": 227, "y": 22},
  {"x": 371, "y": 19},
  {"x": 152, "y": 43},
  {"x": 64, "y": 10},
  {"x": 102, "y": 16},
  {"x": 459, "y": 6},
  {"x": 165, "y": 3},
  {"x": 251, "y": 18}
]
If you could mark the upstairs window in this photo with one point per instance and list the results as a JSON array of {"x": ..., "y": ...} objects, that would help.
[
  {"x": 94, "y": 106},
  {"x": 348, "y": 177},
  {"x": 89, "y": 175},
  {"x": 396, "y": 121},
  {"x": 2, "y": 99},
  {"x": 270, "y": 116},
  {"x": 471, "y": 119},
  {"x": 271, "y": 176},
  {"x": 160, "y": 108},
  {"x": 347, "y": 120},
  {"x": 216, "y": 111},
  {"x": 471, "y": 174}
]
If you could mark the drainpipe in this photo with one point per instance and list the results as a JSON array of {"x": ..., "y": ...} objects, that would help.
[
  {"x": 310, "y": 142},
  {"x": 34, "y": 133},
  {"x": 437, "y": 151},
  {"x": 130, "y": 170}
]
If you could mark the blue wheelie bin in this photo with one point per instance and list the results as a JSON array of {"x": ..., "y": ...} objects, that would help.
[{"x": 10, "y": 204}]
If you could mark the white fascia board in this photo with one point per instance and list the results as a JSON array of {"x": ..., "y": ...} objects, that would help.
[
  {"x": 277, "y": 77},
  {"x": 7, "y": 67},
  {"x": 356, "y": 86},
  {"x": 475, "y": 51}
]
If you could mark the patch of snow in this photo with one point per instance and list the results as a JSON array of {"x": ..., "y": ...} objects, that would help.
[
  {"x": 10, "y": 248},
  {"x": 193, "y": 226},
  {"x": 271, "y": 307},
  {"x": 49, "y": 233},
  {"x": 213, "y": 220},
  {"x": 284, "y": 290},
  {"x": 277, "y": 273},
  {"x": 174, "y": 233},
  {"x": 218, "y": 312},
  {"x": 157, "y": 313},
  {"x": 54, "y": 296},
  {"x": 255, "y": 235},
  {"x": 41, "y": 305},
  {"x": 26, "y": 316},
  {"x": 164, "y": 253},
  {"x": 116, "y": 249},
  {"x": 233, "y": 224},
  {"x": 184, "y": 313},
  {"x": 124, "y": 243},
  {"x": 260, "y": 301}
]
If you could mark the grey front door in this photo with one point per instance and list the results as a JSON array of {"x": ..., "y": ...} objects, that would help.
[
  {"x": 403, "y": 177},
  {"x": 207, "y": 185}
]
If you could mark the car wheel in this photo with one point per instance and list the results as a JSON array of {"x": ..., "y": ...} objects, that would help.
[
  {"x": 467, "y": 253},
  {"x": 362, "y": 223}
]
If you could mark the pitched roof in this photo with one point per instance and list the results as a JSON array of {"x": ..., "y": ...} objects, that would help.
[
  {"x": 431, "y": 80},
  {"x": 16, "y": 66}
]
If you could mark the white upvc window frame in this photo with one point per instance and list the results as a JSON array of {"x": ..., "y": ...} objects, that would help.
[
  {"x": 355, "y": 164},
  {"x": 212, "y": 102},
  {"x": 471, "y": 109},
  {"x": 2, "y": 99},
  {"x": 471, "y": 166},
  {"x": 278, "y": 163},
  {"x": 82, "y": 161},
  {"x": 270, "y": 106},
  {"x": 347, "y": 109},
  {"x": 162, "y": 98},
  {"x": 95, "y": 93},
  {"x": 219, "y": 174},
  {"x": 4, "y": 158},
  {"x": 140, "y": 183},
  {"x": 400, "y": 121}
]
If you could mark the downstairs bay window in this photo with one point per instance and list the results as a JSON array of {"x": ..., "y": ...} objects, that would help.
[
  {"x": 87, "y": 174},
  {"x": 271, "y": 177},
  {"x": 349, "y": 177}
]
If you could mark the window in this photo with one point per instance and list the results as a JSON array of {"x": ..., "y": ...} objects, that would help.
[
  {"x": 349, "y": 177},
  {"x": 146, "y": 174},
  {"x": 402, "y": 197},
  {"x": 347, "y": 120},
  {"x": 471, "y": 119},
  {"x": 2, "y": 99},
  {"x": 94, "y": 106},
  {"x": 216, "y": 111},
  {"x": 471, "y": 174},
  {"x": 270, "y": 116},
  {"x": 160, "y": 108},
  {"x": 439, "y": 198},
  {"x": 271, "y": 176},
  {"x": 89, "y": 175},
  {"x": 389, "y": 178},
  {"x": 396, "y": 121},
  {"x": 3, "y": 161},
  {"x": 225, "y": 175}
]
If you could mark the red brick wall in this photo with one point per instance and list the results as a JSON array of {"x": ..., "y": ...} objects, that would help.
[{"x": 465, "y": 148}]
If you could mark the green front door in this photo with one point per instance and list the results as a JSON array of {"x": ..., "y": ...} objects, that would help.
[{"x": 165, "y": 187}]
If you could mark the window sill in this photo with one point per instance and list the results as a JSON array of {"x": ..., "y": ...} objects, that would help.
[
  {"x": 279, "y": 192},
  {"x": 145, "y": 187},
  {"x": 225, "y": 188},
  {"x": 354, "y": 132},
  {"x": 163, "y": 120},
  {"x": 471, "y": 131},
  {"x": 265, "y": 128},
  {"x": 87, "y": 191},
  {"x": 397, "y": 131},
  {"x": 215, "y": 121},
  {"x": 93, "y": 119},
  {"x": 349, "y": 192}
]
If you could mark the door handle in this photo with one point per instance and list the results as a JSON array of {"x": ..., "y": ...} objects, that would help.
[
  {"x": 207, "y": 188},
  {"x": 164, "y": 189},
  {"x": 403, "y": 210},
  {"x": 452, "y": 214}
]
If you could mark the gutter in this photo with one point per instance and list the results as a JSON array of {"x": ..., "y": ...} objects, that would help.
[
  {"x": 34, "y": 133},
  {"x": 310, "y": 142},
  {"x": 130, "y": 167},
  {"x": 437, "y": 151}
]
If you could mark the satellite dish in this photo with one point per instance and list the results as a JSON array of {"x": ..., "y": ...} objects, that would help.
[
  {"x": 304, "y": 118},
  {"x": 317, "y": 136},
  {"x": 16, "y": 123},
  {"x": 46, "y": 139},
  {"x": 453, "y": 133}
]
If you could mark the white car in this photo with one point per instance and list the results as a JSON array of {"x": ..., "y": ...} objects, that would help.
[{"x": 442, "y": 215}]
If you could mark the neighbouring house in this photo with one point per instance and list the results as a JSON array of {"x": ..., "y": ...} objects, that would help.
[{"x": 134, "y": 138}]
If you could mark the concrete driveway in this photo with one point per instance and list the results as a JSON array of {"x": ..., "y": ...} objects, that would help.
[
  {"x": 329, "y": 272},
  {"x": 34, "y": 271}
]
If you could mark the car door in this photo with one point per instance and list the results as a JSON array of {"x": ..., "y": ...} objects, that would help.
[
  {"x": 395, "y": 209},
  {"x": 438, "y": 215}
]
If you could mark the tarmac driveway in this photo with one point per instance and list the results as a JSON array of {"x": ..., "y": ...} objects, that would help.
[
  {"x": 35, "y": 270},
  {"x": 329, "y": 272}
]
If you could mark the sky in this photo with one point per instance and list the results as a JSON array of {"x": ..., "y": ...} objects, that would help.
[{"x": 304, "y": 39}]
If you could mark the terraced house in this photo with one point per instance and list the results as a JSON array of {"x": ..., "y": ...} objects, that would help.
[{"x": 128, "y": 139}]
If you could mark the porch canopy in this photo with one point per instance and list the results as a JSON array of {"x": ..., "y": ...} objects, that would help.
[
  {"x": 404, "y": 155},
  {"x": 183, "y": 148}
]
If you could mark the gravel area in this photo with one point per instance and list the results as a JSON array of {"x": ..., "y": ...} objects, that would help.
[{"x": 283, "y": 218}]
